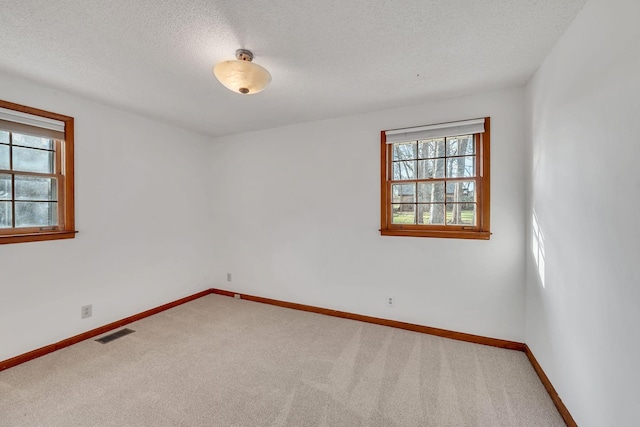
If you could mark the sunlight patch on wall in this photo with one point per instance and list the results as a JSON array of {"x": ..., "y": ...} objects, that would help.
[{"x": 538, "y": 247}]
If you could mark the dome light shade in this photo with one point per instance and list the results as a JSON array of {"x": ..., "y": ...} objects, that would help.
[{"x": 241, "y": 75}]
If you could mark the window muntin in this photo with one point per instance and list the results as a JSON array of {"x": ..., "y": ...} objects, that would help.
[
  {"x": 436, "y": 187},
  {"x": 36, "y": 175}
]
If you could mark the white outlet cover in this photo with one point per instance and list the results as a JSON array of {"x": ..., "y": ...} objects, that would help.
[{"x": 86, "y": 311}]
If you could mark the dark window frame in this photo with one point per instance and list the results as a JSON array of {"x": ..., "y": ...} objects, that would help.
[
  {"x": 64, "y": 171},
  {"x": 481, "y": 230}
]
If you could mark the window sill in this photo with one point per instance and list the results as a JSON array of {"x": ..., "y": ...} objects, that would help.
[
  {"x": 36, "y": 237},
  {"x": 453, "y": 234}
]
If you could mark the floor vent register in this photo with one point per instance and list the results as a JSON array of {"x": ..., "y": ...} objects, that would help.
[{"x": 114, "y": 336}]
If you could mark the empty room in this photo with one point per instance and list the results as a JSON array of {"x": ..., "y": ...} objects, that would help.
[{"x": 303, "y": 213}]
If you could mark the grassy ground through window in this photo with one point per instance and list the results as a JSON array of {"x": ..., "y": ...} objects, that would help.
[{"x": 408, "y": 217}]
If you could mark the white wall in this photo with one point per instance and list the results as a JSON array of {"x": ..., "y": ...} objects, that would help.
[
  {"x": 143, "y": 215},
  {"x": 299, "y": 217},
  {"x": 583, "y": 114}
]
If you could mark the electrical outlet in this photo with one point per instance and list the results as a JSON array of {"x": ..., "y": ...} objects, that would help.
[
  {"x": 228, "y": 277},
  {"x": 390, "y": 301},
  {"x": 86, "y": 311}
]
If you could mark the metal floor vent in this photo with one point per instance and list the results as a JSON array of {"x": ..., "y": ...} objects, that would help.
[{"x": 115, "y": 335}]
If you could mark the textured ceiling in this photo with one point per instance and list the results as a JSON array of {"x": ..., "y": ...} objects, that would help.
[{"x": 327, "y": 58}]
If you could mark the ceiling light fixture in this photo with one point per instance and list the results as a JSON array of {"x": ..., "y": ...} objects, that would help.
[{"x": 241, "y": 75}]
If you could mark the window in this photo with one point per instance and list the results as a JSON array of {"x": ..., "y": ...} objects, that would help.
[
  {"x": 435, "y": 180},
  {"x": 36, "y": 175}
]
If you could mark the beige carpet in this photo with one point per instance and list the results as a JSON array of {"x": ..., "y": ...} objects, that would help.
[{"x": 218, "y": 361}]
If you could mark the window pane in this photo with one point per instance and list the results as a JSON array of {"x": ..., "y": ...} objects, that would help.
[
  {"x": 36, "y": 214},
  {"x": 404, "y": 151},
  {"x": 5, "y": 214},
  {"x": 5, "y": 187},
  {"x": 461, "y": 191},
  {"x": 431, "y": 214},
  {"x": 30, "y": 160},
  {"x": 4, "y": 157},
  {"x": 32, "y": 141},
  {"x": 404, "y": 170},
  {"x": 404, "y": 193},
  {"x": 431, "y": 148},
  {"x": 34, "y": 188},
  {"x": 460, "y": 167},
  {"x": 431, "y": 168},
  {"x": 404, "y": 214},
  {"x": 4, "y": 136},
  {"x": 460, "y": 146},
  {"x": 431, "y": 192},
  {"x": 461, "y": 213}
]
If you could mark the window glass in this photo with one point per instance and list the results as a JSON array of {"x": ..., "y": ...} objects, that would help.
[{"x": 32, "y": 160}]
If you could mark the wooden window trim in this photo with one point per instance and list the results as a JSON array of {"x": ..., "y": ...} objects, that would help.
[
  {"x": 64, "y": 171},
  {"x": 481, "y": 231}
]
